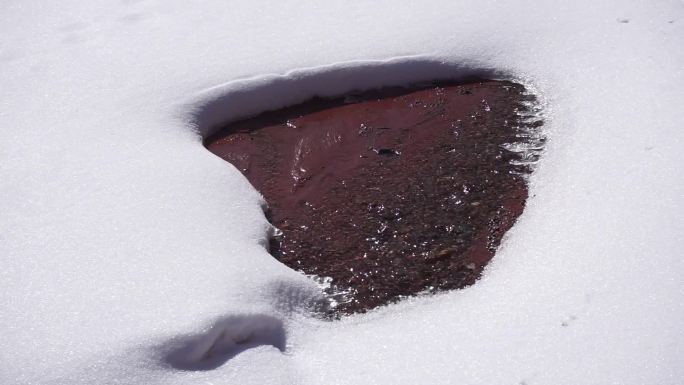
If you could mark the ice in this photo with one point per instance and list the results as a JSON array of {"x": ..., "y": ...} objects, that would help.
[{"x": 121, "y": 235}]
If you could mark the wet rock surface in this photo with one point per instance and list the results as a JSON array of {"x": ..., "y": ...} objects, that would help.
[{"x": 391, "y": 193}]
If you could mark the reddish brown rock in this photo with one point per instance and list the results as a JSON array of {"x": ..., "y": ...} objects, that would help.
[{"x": 392, "y": 192}]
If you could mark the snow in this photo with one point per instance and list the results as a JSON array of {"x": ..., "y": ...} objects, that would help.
[{"x": 126, "y": 245}]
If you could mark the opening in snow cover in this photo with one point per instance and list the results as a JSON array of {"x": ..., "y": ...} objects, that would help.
[{"x": 392, "y": 192}]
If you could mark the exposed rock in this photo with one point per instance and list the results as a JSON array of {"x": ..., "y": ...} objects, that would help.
[{"x": 392, "y": 192}]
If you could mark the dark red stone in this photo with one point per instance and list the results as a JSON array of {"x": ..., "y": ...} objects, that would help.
[{"x": 393, "y": 192}]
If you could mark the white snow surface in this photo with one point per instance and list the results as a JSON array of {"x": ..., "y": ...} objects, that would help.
[{"x": 121, "y": 235}]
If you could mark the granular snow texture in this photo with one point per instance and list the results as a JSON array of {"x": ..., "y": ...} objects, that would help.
[{"x": 128, "y": 248}]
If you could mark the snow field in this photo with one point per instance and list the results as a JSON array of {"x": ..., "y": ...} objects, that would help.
[{"x": 121, "y": 235}]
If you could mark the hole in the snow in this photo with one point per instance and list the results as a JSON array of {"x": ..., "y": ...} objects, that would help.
[
  {"x": 392, "y": 192},
  {"x": 224, "y": 340}
]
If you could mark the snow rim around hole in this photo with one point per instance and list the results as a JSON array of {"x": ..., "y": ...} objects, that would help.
[{"x": 208, "y": 110}]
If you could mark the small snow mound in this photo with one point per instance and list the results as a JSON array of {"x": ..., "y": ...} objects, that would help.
[{"x": 227, "y": 338}]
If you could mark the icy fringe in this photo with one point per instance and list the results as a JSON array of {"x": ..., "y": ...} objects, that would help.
[{"x": 531, "y": 138}]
